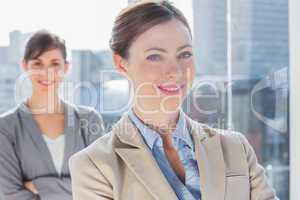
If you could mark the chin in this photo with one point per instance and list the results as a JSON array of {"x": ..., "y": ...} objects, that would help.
[
  {"x": 44, "y": 89},
  {"x": 170, "y": 105}
]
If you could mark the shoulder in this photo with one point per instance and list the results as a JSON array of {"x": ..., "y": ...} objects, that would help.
[
  {"x": 227, "y": 137},
  {"x": 10, "y": 114},
  {"x": 85, "y": 112},
  {"x": 9, "y": 121},
  {"x": 101, "y": 150},
  {"x": 234, "y": 147},
  {"x": 99, "y": 155},
  {"x": 80, "y": 109},
  {"x": 237, "y": 151},
  {"x": 230, "y": 141}
]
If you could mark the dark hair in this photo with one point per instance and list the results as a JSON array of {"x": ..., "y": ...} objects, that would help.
[
  {"x": 42, "y": 41},
  {"x": 138, "y": 18}
]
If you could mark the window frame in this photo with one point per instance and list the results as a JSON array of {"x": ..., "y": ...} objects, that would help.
[{"x": 294, "y": 29}]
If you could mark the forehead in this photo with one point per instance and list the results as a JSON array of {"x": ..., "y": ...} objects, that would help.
[
  {"x": 51, "y": 54},
  {"x": 166, "y": 35}
]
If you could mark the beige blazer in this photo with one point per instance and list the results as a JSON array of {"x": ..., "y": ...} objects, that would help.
[{"x": 120, "y": 166}]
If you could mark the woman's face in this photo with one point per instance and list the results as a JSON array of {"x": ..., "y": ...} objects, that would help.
[
  {"x": 46, "y": 71},
  {"x": 160, "y": 66}
]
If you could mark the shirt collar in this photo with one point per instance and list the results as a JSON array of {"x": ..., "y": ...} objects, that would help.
[{"x": 151, "y": 137}]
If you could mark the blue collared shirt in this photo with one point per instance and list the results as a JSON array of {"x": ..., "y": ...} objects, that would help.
[{"x": 185, "y": 148}]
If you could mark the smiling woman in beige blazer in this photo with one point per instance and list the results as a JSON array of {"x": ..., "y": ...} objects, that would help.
[{"x": 155, "y": 151}]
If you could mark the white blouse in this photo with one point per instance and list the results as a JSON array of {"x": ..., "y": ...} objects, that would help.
[{"x": 57, "y": 149}]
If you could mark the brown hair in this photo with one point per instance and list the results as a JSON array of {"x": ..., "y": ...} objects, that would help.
[
  {"x": 42, "y": 41},
  {"x": 138, "y": 18}
]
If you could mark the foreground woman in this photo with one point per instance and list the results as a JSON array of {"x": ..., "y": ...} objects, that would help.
[{"x": 155, "y": 151}]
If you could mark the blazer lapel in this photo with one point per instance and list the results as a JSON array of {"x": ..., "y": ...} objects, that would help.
[
  {"x": 210, "y": 160},
  {"x": 35, "y": 133},
  {"x": 140, "y": 161},
  {"x": 71, "y": 127}
]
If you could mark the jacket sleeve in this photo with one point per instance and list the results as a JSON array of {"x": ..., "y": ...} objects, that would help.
[
  {"x": 11, "y": 179},
  {"x": 88, "y": 182},
  {"x": 50, "y": 188},
  {"x": 260, "y": 189}
]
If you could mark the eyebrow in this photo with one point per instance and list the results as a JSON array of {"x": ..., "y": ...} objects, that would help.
[
  {"x": 183, "y": 47},
  {"x": 55, "y": 59},
  {"x": 164, "y": 50}
]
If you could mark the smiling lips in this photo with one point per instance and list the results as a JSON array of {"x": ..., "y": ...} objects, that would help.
[
  {"x": 170, "y": 89},
  {"x": 46, "y": 83}
]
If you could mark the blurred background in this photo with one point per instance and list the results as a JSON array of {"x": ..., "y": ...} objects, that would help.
[{"x": 241, "y": 51}]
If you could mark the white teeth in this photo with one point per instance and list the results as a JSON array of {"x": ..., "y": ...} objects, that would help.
[
  {"x": 171, "y": 89},
  {"x": 46, "y": 82}
]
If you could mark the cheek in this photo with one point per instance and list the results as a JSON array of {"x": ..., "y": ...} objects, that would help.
[
  {"x": 58, "y": 76},
  {"x": 34, "y": 78},
  {"x": 190, "y": 71},
  {"x": 147, "y": 73},
  {"x": 145, "y": 78}
]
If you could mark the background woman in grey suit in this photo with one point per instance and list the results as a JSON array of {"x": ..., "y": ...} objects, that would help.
[{"x": 38, "y": 136}]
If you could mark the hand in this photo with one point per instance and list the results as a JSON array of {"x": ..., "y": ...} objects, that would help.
[{"x": 29, "y": 186}]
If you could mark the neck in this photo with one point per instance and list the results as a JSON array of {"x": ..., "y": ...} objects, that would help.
[
  {"x": 42, "y": 103},
  {"x": 163, "y": 123}
]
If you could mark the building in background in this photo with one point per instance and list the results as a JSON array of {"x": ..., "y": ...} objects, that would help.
[
  {"x": 210, "y": 36},
  {"x": 259, "y": 84},
  {"x": 10, "y": 57},
  {"x": 94, "y": 82},
  {"x": 86, "y": 74}
]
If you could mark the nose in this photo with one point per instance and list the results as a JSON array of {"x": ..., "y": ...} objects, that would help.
[
  {"x": 47, "y": 74},
  {"x": 174, "y": 71}
]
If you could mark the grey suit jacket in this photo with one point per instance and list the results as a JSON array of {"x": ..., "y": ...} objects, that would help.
[
  {"x": 24, "y": 156},
  {"x": 119, "y": 166}
]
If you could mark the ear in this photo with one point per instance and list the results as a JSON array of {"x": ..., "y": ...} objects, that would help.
[
  {"x": 120, "y": 64},
  {"x": 24, "y": 65}
]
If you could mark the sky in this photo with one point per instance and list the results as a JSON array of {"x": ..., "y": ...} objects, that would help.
[{"x": 84, "y": 24}]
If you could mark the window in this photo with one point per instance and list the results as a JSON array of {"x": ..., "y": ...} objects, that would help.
[
  {"x": 242, "y": 82},
  {"x": 294, "y": 99}
]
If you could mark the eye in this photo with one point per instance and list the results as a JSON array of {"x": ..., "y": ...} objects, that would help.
[
  {"x": 55, "y": 64},
  {"x": 154, "y": 57},
  {"x": 37, "y": 64},
  {"x": 185, "y": 55}
]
